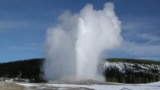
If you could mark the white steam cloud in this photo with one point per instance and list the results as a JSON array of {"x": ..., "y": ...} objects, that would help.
[{"x": 75, "y": 46}]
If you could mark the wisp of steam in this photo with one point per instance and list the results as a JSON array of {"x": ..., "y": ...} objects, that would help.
[{"x": 75, "y": 46}]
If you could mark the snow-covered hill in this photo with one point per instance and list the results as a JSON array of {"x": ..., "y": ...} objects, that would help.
[
  {"x": 134, "y": 67},
  {"x": 131, "y": 72}
]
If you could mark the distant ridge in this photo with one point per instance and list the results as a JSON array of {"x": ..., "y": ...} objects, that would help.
[{"x": 130, "y": 60}]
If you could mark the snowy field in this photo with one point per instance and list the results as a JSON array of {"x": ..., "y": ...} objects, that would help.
[{"x": 114, "y": 86}]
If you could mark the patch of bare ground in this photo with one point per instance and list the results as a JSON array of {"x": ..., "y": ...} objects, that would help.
[{"x": 10, "y": 86}]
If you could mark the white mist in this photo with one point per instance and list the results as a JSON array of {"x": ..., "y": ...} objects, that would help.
[{"x": 74, "y": 47}]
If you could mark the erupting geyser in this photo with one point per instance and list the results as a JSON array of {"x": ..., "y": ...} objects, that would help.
[{"x": 74, "y": 47}]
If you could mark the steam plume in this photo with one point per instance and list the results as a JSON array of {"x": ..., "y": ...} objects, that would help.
[{"x": 75, "y": 46}]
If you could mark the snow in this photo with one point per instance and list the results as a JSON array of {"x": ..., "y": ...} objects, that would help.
[
  {"x": 149, "y": 86},
  {"x": 123, "y": 65},
  {"x": 155, "y": 83},
  {"x": 9, "y": 80},
  {"x": 124, "y": 87},
  {"x": 28, "y": 84}
]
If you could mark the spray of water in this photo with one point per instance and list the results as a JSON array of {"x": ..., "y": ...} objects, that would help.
[{"x": 74, "y": 47}]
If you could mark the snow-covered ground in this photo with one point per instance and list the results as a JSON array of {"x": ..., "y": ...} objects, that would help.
[{"x": 45, "y": 86}]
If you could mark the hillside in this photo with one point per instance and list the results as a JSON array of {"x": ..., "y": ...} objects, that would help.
[
  {"x": 114, "y": 69},
  {"x": 26, "y": 69},
  {"x": 131, "y": 70}
]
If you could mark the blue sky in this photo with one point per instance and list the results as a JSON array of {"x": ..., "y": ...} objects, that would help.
[{"x": 23, "y": 26}]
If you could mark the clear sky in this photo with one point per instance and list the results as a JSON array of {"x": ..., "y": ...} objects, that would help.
[{"x": 23, "y": 26}]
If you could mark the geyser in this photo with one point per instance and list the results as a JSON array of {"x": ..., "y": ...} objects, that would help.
[{"x": 75, "y": 46}]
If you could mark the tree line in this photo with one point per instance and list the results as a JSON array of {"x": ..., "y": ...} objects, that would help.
[{"x": 31, "y": 69}]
